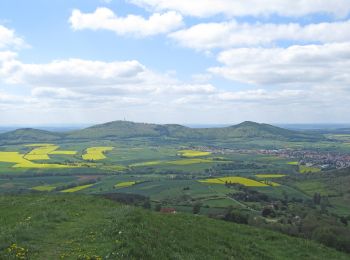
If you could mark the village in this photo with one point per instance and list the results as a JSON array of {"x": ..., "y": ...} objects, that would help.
[{"x": 321, "y": 159}]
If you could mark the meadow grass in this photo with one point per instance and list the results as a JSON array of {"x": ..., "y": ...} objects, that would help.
[
  {"x": 34, "y": 145},
  {"x": 190, "y": 161},
  {"x": 76, "y": 226},
  {"x": 174, "y": 162},
  {"x": 44, "y": 188},
  {"x": 311, "y": 187}
]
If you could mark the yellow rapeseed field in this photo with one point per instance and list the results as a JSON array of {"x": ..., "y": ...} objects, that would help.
[
  {"x": 125, "y": 184},
  {"x": 193, "y": 153},
  {"x": 64, "y": 152},
  {"x": 78, "y": 188},
  {"x": 20, "y": 162},
  {"x": 41, "y": 153},
  {"x": 270, "y": 175},
  {"x": 293, "y": 163},
  {"x": 16, "y": 158},
  {"x": 239, "y": 180},
  {"x": 96, "y": 153},
  {"x": 150, "y": 163}
]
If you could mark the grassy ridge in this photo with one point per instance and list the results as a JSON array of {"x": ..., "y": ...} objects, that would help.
[{"x": 79, "y": 227}]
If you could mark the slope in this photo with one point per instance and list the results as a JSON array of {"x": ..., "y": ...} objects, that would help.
[{"x": 85, "y": 227}]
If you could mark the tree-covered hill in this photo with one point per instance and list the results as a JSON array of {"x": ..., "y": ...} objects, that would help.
[
  {"x": 124, "y": 129},
  {"x": 29, "y": 135}
]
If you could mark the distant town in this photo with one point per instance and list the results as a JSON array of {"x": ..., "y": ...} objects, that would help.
[{"x": 321, "y": 159}]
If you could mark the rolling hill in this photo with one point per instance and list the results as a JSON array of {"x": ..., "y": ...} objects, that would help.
[
  {"x": 124, "y": 129},
  {"x": 86, "y": 227},
  {"x": 29, "y": 135}
]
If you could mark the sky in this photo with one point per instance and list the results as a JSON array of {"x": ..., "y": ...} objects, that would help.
[{"x": 180, "y": 61}]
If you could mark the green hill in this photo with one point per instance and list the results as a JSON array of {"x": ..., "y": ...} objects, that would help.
[
  {"x": 123, "y": 129},
  {"x": 86, "y": 227},
  {"x": 26, "y": 135}
]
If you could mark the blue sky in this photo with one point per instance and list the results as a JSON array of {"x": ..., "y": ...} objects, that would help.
[{"x": 194, "y": 62}]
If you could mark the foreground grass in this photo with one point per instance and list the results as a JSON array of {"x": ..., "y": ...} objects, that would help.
[{"x": 71, "y": 226}]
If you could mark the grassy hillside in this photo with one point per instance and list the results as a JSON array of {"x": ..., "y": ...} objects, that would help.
[{"x": 85, "y": 227}]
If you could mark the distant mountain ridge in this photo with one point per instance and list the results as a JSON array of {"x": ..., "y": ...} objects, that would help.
[{"x": 125, "y": 129}]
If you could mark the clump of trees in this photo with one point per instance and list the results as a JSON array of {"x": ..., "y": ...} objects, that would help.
[{"x": 308, "y": 219}]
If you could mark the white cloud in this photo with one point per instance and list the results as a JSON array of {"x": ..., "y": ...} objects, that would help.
[
  {"x": 205, "y": 8},
  {"x": 310, "y": 64},
  {"x": 8, "y": 63},
  {"x": 83, "y": 79},
  {"x": 73, "y": 72},
  {"x": 8, "y": 38},
  {"x": 232, "y": 34},
  {"x": 56, "y": 93},
  {"x": 262, "y": 95},
  {"x": 106, "y": 19},
  {"x": 185, "y": 89}
]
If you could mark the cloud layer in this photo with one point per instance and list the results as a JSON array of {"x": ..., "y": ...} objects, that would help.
[
  {"x": 206, "y": 36},
  {"x": 134, "y": 25},
  {"x": 296, "y": 65},
  {"x": 205, "y": 8}
]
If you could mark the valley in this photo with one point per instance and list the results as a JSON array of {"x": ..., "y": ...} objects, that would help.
[{"x": 253, "y": 174}]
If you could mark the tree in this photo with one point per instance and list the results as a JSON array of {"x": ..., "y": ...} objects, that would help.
[
  {"x": 268, "y": 212},
  {"x": 147, "y": 204},
  {"x": 237, "y": 216},
  {"x": 158, "y": 207},
  {"x": 196, "y": 208},
  {"x": 344, "y": 220},
  {"x": 317, "y": 198}
]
